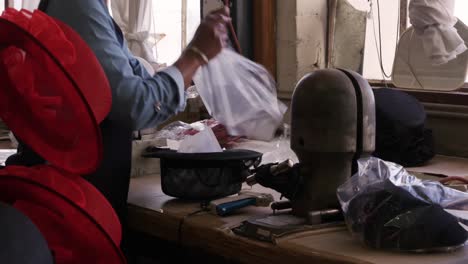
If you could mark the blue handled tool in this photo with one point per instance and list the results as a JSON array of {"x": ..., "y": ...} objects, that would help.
[
  {"x": 227, "y": 208},
  {"x": 228, "y": 205}
]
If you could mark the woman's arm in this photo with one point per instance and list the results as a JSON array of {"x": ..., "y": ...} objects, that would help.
[{"x": 138, "y": 101}]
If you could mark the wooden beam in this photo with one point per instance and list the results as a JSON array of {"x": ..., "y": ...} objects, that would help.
[
  {"x": 458, "y": 97},
  {"x": 264, "y": 34},
  {"x": 184, "y": 24},
  {"x": 331, "y": 7}
]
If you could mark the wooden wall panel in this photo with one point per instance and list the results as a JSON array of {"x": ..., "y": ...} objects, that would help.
[{"x": 264, "y": 33}]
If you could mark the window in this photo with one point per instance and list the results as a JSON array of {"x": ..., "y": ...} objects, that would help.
[
  {"x": 170, "y": 24},
  {"x": 176, "y": 21},
  {"x": 19, "y": 4},
  {"x": 389, "y": 30}
]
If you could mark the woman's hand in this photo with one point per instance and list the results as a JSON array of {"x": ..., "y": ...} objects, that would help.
[
  {"x": 210, "y": 38},
  {"x": 212, "y": 34}
]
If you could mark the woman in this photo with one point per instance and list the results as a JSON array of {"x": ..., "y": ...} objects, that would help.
[{"x": 139, "y": 100}]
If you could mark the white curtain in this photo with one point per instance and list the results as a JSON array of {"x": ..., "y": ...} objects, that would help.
[
  {"x": 120, "y": 13},
  {"x": 136, "y": 19},
  {"x": 29, "y": 4},
  {"x": 26, "y": 4},
  {"x": 434, "y": 21}
]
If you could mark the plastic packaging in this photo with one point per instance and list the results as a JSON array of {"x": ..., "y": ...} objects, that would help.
[
  {"x": 277, "y": 150},
  {"x": 177, "y": 131},
  {"x": 282, "y": 148},
  {"x": 241, "y": 95},
  {"x": 204, "y": 141},
  {"x": 386, "y": 207}
]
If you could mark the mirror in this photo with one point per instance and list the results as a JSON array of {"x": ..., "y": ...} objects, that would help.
[{"x": 412, "y": 69}]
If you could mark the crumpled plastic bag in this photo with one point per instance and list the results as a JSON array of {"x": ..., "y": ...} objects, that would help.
[
  {"x": 177, "y": 131},
  {"x": 387, "y": 208},
  {"x": 241, "y": 95}
]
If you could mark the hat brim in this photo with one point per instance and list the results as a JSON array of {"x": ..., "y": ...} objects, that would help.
[
  {"x": 226, "y": 155},
  {"x": 59, "y": 206},
  {"x": 72, "y": 140}
]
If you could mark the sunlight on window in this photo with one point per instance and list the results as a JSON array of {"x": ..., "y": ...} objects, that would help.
[
  {"x": 17, "y": 4},
  {"x": 193, "y": 18},
  {"x": 461, "y": 6},
  {"x": 30, "y": 4},
  {"x": 460, "y": 12},
  {"x": 168, "y": 16},
  {"x": 388, "y": 27}
]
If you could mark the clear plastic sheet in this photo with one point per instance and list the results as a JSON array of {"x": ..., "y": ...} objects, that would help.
[
  {"x": 241, "y": 95},
  {"x": 178, "y": 131},
  {"x": 282, "y": 148},
  {"x": 386, "y": 207},
  {"x": 174, "y": 131},
  {"x": 276, "y": 150}
]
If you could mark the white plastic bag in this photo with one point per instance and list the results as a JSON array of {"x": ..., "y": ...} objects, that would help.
[
  {"x": 241, "y": 95},
  {"x": 203, "y": 142}
]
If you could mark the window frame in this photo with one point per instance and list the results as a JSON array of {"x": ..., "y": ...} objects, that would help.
[
  {"x": 267, "y": 55},
  {"x": 458, "y": 98}
]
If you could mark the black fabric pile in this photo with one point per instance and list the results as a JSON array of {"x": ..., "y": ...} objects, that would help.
[
  {"x": 388, "y": 217},
  {"x": 401, "y": 133}
]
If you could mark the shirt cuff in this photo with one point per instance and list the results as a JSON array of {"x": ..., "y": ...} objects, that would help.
[{"x": 176, "y": 75}]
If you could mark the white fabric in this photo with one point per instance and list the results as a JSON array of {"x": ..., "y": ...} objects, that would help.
[
  {"x": 136, "y": 19},
  {"x": 30, "y": 4},
  {"x": 204, "y": 141},
  {"x": 120, "y": 13},
  {"x": 433, "y": 21}
]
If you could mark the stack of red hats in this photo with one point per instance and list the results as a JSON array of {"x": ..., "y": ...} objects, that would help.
[{"x": 53, "y": 96}]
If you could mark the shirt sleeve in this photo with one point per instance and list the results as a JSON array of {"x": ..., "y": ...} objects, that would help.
[{"x": 138, "y": 99}]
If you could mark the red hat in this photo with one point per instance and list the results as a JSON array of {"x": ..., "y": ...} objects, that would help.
[
  {"x": 53, "y": 95},
  {"x": 78, "y": 223},
  {"x": 60, "y": 90}
]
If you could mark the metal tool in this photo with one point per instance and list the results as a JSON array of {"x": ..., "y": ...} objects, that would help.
[
  {"x": 274, "y": 170},
  {"x": 324, "y": 216},
  {"x": 228, "y": 205},
  {"x": 281, "y": 205}
]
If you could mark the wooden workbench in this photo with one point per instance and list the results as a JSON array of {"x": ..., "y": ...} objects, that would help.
[
  {"x": 153, "y": 213},
  {"x": 5, "y": 144}
]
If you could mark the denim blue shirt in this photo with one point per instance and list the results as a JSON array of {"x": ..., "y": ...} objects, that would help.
[{"x": 138, "y": 99}]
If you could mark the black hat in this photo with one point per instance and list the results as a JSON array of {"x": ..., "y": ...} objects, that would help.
[{"x": 20, "y": 240}]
